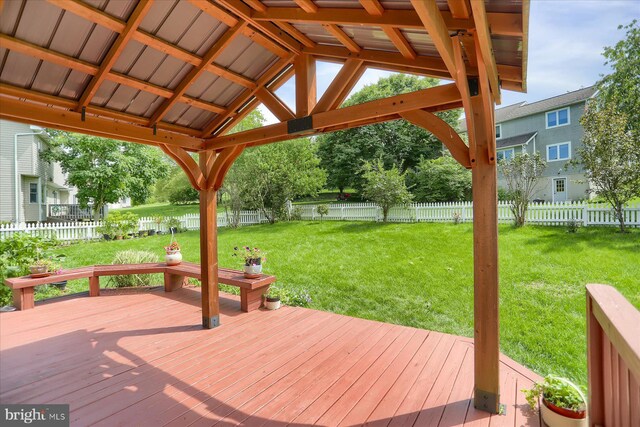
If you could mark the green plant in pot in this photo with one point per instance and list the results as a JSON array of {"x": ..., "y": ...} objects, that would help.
[
  {"x": 562, "y": 402},
  {"x": 253, "y": 258},
  {"x": 272, "y": 299}
]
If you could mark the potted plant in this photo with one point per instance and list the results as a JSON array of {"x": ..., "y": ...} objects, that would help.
[
  {"x": 253, "y": 259},
  {"x": 173, "y": 256},
  {"x": 173, "y": 224},
  {"x": 158, "y": 222},
  {"x": 57, "y": 267},
  {"x": 272, "y": 299},
  {"x": 39, "y": 268},
  {"x": 563, "y": 404}
]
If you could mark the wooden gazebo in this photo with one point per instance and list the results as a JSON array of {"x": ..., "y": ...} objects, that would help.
[{"x": 180, "y": 74}]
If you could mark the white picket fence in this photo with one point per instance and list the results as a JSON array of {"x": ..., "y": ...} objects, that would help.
[{"x": 585, "y": 214}]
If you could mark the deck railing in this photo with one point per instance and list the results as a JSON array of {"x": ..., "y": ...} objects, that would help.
[
  {"x": 613, "y": 352},
  {"x": 72, "y": 212}
]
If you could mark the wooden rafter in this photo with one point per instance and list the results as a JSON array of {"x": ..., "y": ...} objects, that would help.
[
  {"x": 41, "y": 115},
  {"x": 400, "y": 42},
  {"x": 307, "y": 5},
  {"x": 245, "y": 12},
  {"x": 394, "y": 105},
  {"x": 241, "y": 100},
  {"x": 373, "y": 7},
  {"x": 118, "y": 46},
  {"x": 504, "y": 24},
  {"x": 435, "y": 25},
  {"x": 274, "y": 104},
  {"x": 256, "y": 5},
  {"x": 215, "y": 51},
  {"x": 342, "y": 37},
  {"x": 441, "y": 130},
  {"x": 485, "y": 48},
  {"x": 296, "y": 34},
  {"x": 459, "y": 8},
  {"x": 306, "y": 85},
  {"x": 347, "y": 77}
]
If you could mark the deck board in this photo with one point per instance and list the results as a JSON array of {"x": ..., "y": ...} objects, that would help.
[{"x": 143, "y": 359}]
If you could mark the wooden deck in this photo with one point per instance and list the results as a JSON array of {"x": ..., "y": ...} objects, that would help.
[{"x": 144, "y": 359}]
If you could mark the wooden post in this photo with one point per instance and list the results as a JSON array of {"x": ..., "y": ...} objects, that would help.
[
  {"x": 305, "y": 66},
  {"x": 209, "y": 251},
  {"x": 485, "y": 259},
  {"x": 94, "y": 286},
  {"x": 173, "y": 282},
  {"x": 594, "y": 367}
]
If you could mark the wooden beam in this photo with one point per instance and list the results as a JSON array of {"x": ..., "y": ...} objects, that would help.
[
  {"x": 342, "y": 37},
  {"x": 400, "y": 42},
  {"x": 307, "y": 5},
  {"x": 274, "y": 104},
  {"x": 306, "y": 86},
  {"x": 209, "y": 250},
  {"x": 345, "y": 78},
  {"x": 116, "y": 48},
  {"x": 489, "y": 108},
  {"x": 216, "y": 50},
  {"x": 257, "y": 5},
  {"x": 441, "y": 130},
  {"x": 232, "y": 76},
  {"x": 460, "y": 8},
  {"x": 486, "y": 47},
  {"x": 40, "y": 115},
  {"x": 426, "y": 98},
  {"x": 462, "y": 82},
  {"x": 296, "y": 34},
  {"x": 504, "y": 24},
  {"x": 92, "y": 110},
  {"x": 243, "y": 11},
  {"x": 373, "y": 7},
  {"x": 187, "y": 164},
  {"x": 241, "y": 100},
  {"x": 485, "y": 264},
  {"x": 435, "y": 25}
]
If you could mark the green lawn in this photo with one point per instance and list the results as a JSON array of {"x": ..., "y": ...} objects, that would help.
[{"x": 421, "y": 275}]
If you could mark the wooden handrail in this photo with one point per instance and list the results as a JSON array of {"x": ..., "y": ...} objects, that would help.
[{"x": 613, "y": 354}]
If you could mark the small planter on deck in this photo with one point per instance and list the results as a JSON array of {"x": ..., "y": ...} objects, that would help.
[
  {"x": 563, "y": 404},
  {"x": 272, "y": 302}
]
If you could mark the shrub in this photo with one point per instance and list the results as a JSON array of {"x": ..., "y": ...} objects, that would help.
[
  {"x": 119, "y": 223},
  {"x": 293, "y": 297},
  {"x": 173, "y": 223},
  {"x": 296, "y": 213},
  {"x": 322, "y": 211},
  {"x": 440, "y": 180},
  {"x": 129, "y": 280},
  {"x": 457, "y": 218},
  {"x": 573, "y": 225}
]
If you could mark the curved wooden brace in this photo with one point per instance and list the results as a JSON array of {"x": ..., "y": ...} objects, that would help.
[
  {"x": 443, "y": 132},
  {"x": 221, "y": 166},
  {"x": 188, "y": 165}
]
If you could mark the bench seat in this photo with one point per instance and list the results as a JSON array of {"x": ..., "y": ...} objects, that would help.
[{"x": 175, "y": 276}]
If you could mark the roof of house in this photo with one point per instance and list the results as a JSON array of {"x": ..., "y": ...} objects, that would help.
[
  {"x": 514, "y": 141},
  {"x": 523, "y": 109}
]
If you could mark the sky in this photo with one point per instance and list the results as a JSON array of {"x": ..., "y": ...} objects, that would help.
[{"x": 566, "y": 41}]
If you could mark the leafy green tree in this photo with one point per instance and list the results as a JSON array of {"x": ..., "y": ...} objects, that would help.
[
  {"x": 522, "y": 173},
  {"x": 269, "y": 175},
  {"x": 622, "y": 86},
  {"x": 105, "y": 170},
  {"x": 384, "y": 187},
  {"x": 610, "y": 156},
  {"x": 440, "y": 180},
  {"x": 397, "y": 143}
]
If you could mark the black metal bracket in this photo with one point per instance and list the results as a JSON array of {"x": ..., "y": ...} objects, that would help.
[
  {"x": 473, "y": 86},
  {"x": 155, "y": 130},
  {"x": 83, "y": 114},
  {"x": 486, "y": 401},
  {"x": 301, "y": 125}
]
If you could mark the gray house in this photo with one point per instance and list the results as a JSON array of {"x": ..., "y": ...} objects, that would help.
[
  {"x": 28, "y": 185},
  {"x": 552, "y": 128}
]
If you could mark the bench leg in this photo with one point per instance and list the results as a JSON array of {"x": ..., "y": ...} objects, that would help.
[
  {"x": 173, "y": 282},
  {"x": 94, "y": 286},
  {"x": 252, "y": 299},
  {"x": 23, "y": 298}
]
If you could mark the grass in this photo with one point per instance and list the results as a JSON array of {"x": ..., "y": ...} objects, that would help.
[{"x": 421, "y": 275}]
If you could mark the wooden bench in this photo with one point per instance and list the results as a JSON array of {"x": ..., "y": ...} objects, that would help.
[{"x": 251, "y": 290}]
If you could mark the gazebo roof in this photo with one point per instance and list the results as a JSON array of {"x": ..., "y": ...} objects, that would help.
[{"x": 180, "y": 72}]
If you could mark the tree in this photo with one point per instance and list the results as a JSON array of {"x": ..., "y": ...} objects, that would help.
[
  {"x": 622, "y": 86},
  {"x": 522, "y": 173},
  {"x": 610, "y": 156},
  {"x": 105, "y": 170},
  {"x": 269, "y": 175},
  {"x": 440, "y": 180},
  {"x": 384, "y": 187},
  {"x": 397, "y": 143}
]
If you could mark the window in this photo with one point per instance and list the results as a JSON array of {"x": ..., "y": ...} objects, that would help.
[
  {"x": 498, "y": 131},
  {"x": 33, "y": 192},
  {"x": 560, "y": 151},
  {"x": 560, "y": 185},
  {"x": 558, "y": 118},
  {"x": 506, "y": 154}
]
